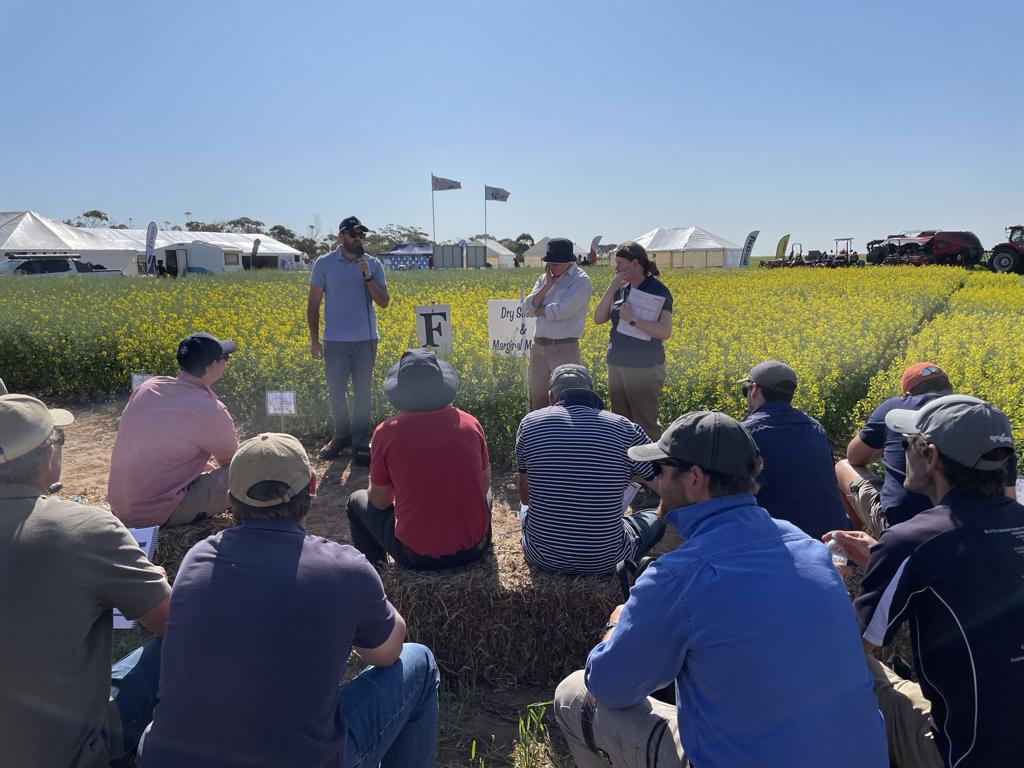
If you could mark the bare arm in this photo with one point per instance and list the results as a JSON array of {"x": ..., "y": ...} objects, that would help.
[
  {"x": 155, "y": 619},
  {"x": 603, "y": 310},
  {"x": 524, "y": 489},
  {"x": 316, "y": 296},
  {"x": 381, "y": 496},
  {"x": 378, "y": 293},
  {"x": 860, "y": 454},
  {"x": 387, "y": 653}
]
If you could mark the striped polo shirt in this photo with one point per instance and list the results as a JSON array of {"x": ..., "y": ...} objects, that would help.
[{"x": 574, "y": 457}]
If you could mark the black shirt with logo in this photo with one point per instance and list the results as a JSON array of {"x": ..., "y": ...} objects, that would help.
[
  {"x": 629, "y": 351},
  {"x": 956, "y": 572}
]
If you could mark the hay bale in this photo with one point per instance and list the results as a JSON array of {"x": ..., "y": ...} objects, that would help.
[
  {"x": 173, "y": 543},
  {"x": 501, "y": 621}
]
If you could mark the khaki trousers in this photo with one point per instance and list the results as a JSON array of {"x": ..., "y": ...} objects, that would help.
[
  {"x": 644, "y": 736},
  {"x": 544, "y": 358},
  {"x": 908, "y": 722},
  {"x": 636, "y": 394},
  {"x": 205, "y": 496}
]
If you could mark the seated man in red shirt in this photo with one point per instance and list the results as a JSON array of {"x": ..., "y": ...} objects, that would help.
[{"x": 428, "y": 505}]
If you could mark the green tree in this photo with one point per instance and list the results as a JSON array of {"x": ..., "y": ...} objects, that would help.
[
  {"x": 282, "y": 234},
  {"x": 203, "y": 226},
  {"x": 94, "y": 218},
  {"x": 246, "y": 226}
]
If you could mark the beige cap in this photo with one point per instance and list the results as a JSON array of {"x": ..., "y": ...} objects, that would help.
[
  {"x": 25, "y": 424},
  {"x": 269, "y": 456}
]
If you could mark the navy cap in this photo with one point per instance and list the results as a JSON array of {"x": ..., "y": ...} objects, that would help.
[
  {"x": 200, "y": 349},
  {"x": 559, "y": 251},
  {"x": 351, "y": 224}
]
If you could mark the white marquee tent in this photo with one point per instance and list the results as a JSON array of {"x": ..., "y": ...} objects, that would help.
[
  {"x": 534, "y": 254},
  {"x": 690, "y": 247},
  {"x": 497, "y": 254},
  {"x": 28, "y": 232}
]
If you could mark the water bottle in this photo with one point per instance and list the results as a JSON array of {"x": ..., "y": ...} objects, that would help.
[{"x": 838, "y": 555}]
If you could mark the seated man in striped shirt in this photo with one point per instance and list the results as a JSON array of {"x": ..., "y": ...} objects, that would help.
[{"x": 573, "y": 472}]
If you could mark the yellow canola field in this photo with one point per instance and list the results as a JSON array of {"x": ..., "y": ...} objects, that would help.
[{"x": 840, "y": 330}]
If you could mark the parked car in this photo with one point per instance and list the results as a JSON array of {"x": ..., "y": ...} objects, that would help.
[{"x": 54, "y": 266}]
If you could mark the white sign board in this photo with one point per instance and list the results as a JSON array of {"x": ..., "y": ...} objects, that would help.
[
  {"x": 146, "y": 539},
  {"x": 509, "y": 332},
  {"x": 434, "y": 327},
  {"x": 138, "y": 378},
  {"x": 1020, "y": 490},
  {"x": 280, "y": 403}
]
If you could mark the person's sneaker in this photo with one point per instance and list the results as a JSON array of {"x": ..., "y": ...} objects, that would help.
[
  {"x": 333, "y": 448},
  {"x": 361, "y": 455}
]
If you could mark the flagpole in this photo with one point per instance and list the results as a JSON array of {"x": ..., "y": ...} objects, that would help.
[
  {"x": 433, "y": 217},
  {"x": 485, "y": 223}
]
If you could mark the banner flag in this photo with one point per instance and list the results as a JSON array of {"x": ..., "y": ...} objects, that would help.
[
  {"x": 255, "y": 250},
  {"x": 748, "y": 246},
  {"x": 592, "y": 253},
  {"x": 780, "y": 249},
  {"x": 150, "y": 247},
  {"x": 495, "y": 193},
  {"x": 438, "y": 184}
]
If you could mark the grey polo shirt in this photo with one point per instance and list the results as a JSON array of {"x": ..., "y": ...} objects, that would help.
[{"x": 348, "y": 308}]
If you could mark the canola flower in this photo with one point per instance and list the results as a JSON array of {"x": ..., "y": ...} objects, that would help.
[{"x": 841, "y": 330}]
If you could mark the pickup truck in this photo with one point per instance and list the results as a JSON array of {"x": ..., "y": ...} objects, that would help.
[{"x": 53, "y": 267}]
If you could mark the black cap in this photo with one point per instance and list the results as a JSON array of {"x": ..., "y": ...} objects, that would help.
[
  {"x": 351, "y": 224},
  {"x": 200, "y": 349},
  {"x": 772, "y": 375},
  {"x": 570, "y": 376},
  {"x": 710, "y": 439},
  {"x": 560, "y": 251}
]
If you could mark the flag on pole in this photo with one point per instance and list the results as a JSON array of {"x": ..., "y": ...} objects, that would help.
[
  {"x": 438, "y": 184},
  {"x": 495, "y": 193}
]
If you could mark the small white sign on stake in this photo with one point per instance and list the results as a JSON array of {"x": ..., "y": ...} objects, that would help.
[
  {"x": 282, "y": 403},
  {"x": 434, "y": 327},
  {"x": 146, "y": 539},
  {"x": 509, "y": 331},
  {"x": 138, "y": 378}
]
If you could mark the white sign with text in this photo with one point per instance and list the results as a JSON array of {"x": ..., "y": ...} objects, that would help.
[
  {"x": 146, "y": 539},
  {"x": 280, "y": 403},
  {"x": 509, "y": 331},
  {"x": 138, "y": 378},
  {"x": 434, "y": 327}
]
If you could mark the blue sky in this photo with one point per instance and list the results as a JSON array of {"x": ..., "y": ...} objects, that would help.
[{"x": 816, "y": 118}]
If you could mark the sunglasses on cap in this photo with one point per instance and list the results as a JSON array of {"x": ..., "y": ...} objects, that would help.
[{"x": 931, "y": 370}]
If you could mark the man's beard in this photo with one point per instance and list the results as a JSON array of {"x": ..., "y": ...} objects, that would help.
[{"x": 356, "y": 248}]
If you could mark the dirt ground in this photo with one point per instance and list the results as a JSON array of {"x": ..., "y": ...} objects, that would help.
[{"x": 486, "y": 716}]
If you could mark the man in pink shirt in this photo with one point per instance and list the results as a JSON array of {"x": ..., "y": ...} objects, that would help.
[{"x": 171, "y": 427}]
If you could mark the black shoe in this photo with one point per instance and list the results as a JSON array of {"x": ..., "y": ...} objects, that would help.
[
  {"x": 361, "y": 455},
  {"x": 333, "y": 448}
]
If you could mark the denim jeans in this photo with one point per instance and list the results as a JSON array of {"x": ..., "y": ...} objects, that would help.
[
  {"x": 344, "y": 360},
  {"x": 133, "y": 687},
  {"x": 647, "y": 526},
  {"x": 391, "y": 713},
  {"x": 373, "y": 534}
]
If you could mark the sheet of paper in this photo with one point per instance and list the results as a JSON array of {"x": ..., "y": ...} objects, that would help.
[
  {"x": 146, "y": 539},
  {"x": 629, "y": 494},
  {"x": 646, "y": 306}
]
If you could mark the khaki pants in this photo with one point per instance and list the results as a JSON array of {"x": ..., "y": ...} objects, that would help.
[
  {"x": 866, "y": 496},
  {"x": 205, "y": 496},
  {"x": 544, "y": 358},
  {"x": 908, "y": 722},
  {"x": 644, "y": 736},
  {"x": 636, "y": 394}
]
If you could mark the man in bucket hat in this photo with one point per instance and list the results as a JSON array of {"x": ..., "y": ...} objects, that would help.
[
  {"x": 429, "y": 500},
  {"x": 264, "y": 616},
  {"x": 63, "y": 566},
  {"x": 160, "y": 471},
  {"x": 954, "y": 571},
  {"x": 750, "y": 619},
  {"x": 560, "y": 300}
]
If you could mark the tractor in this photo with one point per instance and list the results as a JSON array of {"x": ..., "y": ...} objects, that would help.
[
  {"x": 930, "y": 246},
  {"x": 1009, "y": 256}
]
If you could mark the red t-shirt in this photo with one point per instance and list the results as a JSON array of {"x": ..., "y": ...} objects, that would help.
[{"x": 435, "y": 460}]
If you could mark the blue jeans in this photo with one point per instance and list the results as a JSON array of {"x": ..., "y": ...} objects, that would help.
[
  {"x": 133, "y": 686},
  {"x": 646, "y": 524},
  {"x": 344, "y": 360},
  {"x": 391, "y": 713}
]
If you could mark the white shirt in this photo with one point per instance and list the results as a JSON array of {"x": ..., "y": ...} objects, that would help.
[{"x": 565, "y": 306}]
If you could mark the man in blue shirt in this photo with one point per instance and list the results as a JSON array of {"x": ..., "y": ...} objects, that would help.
[
  {"x": 748, "y": 617},
  {"x": 262, "y": 620},
  {"x": 351, "y": 282},
  {"x": 798, "y": 480},
  {"x": 873, "y": 503}
]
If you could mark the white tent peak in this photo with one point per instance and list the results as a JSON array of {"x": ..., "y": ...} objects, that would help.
[{"x": 682, "y": 239}]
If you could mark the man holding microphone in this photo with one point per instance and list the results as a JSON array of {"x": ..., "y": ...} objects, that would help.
[
  {"x": 352, "y": 283},
  {"x": 559, "y": 300}
]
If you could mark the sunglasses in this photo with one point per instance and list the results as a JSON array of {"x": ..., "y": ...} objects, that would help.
[
  {"x": 657, "y": 465},
  {"x": 355, "y": 235},
  {"x": 58, "y": 436},
  {"x": 908, "y": 443},
  {"x": 746, "y": 389}
]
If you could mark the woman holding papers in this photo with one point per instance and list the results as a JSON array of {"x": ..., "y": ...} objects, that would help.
[{"x": 640, "y": 309}]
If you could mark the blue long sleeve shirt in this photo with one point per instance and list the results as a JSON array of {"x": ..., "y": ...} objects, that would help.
[{"x": 752, "y": 621}]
